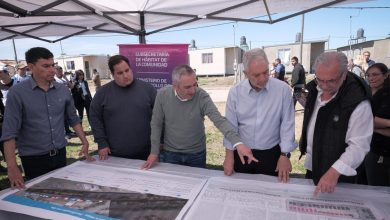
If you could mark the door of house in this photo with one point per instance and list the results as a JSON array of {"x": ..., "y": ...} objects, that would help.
[{"x": 87, "y": 71}]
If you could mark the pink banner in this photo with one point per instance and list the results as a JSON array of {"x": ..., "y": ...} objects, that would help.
[{"x": 153, "y": 63}]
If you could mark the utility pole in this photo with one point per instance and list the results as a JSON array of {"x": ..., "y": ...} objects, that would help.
[
  {"x": 301, "y": 43},
  {"x": 235, "y": 57}
]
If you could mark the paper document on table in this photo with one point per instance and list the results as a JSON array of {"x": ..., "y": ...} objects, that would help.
[
  {"x": 230, "y": 199},
  {"x": 89, "y": 191}
]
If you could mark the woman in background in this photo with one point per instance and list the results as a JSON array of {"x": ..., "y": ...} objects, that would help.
[
  {"x": 81, "y": 94},
  {"x": 377, "y": 161}
]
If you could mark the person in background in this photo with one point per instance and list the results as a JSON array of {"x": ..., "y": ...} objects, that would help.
[
  {"x": 21, "y": 72},
  {"x": 280, "y": 70},
  {"x": 5, "y": 84},
  {"x": 81, "y": 95},
  {"x": 272, "y": 72},
  {"x": 354, "y": 68},
  {"x": 120, "y": 113},
  {"x": 298, "y": 79},
  {"x": 337, "y": 108},
  {"x": 96, "y": 79},
  {"x": 377, "y": 161},
  {"x": 60, "y": 78},
  {"x": 178, "y": 119},
  {"x": 261, "y": 110},
  {"x": 34, "y": 121},
  {"x": 367, "y": 56}
]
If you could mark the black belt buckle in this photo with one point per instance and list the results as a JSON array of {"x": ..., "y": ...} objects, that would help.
[{"x": 53, "y": 152}]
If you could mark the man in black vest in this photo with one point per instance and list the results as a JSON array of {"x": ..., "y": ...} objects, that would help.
[{"x": 337, "y": 124}]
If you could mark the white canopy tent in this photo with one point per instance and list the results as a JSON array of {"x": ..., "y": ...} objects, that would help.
[{"x": 62, "y": 19}]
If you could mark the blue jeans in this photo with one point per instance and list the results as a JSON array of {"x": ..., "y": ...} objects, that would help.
[{"x": 187, "y": 159}]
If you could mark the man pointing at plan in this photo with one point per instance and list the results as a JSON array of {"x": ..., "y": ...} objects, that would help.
[{"x": 178, "y": 116}]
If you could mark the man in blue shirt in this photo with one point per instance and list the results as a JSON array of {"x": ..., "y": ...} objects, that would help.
[
  {"x": 34, "y": 121},
  {"x": 279, "y": 70},
  {"x": 261, "y": 110}
]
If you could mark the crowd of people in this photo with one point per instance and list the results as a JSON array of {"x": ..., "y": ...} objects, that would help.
[{"x": 345, "y": 132}]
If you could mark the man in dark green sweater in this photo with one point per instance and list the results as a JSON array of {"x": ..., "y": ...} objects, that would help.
[{"x": 178, "y": 114}]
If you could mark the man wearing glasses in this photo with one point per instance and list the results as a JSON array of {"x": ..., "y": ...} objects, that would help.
[
  {"x": 337, "y": 108},
  {"x": 367, "y": 56}
]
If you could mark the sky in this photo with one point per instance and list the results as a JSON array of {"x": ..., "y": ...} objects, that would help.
[{"x": 334, "y": 24}]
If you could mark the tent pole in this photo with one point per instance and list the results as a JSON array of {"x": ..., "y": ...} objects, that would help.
[
  {"x": 142, "y": 33},
  {"x": 16, "y": 55}
]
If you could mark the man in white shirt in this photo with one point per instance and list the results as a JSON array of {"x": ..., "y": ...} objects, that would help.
[
  {"x": 337, "y": 125},
  {"x": 261, "y": 110},
  {"x": 60, "y": 78},
  {"x": 21, "y": 73}
]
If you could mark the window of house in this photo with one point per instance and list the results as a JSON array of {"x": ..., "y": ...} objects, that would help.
[
  {"x": 70, "y": 65},
  {"x": 207, "y": 57},
  {"x": 284, "y": 55}
]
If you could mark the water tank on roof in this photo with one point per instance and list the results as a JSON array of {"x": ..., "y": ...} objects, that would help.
[
  {"x": 192, "y": 45},
  {"x": 298, "y": 37},
  {"x": 243, "y": 44},
  {"x": 360, "y": 33}
]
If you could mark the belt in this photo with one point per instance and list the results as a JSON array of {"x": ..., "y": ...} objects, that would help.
[{"x": 51, "y": 153}]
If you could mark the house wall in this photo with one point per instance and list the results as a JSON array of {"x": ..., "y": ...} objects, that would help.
[
  {"x": 272, "y": 54},
  {"x": 316, "y": 50},
  {"x": 100, "y": 63},
  {"x": 95, "y": 62},
  {"x": 218, "y": 67},
  {"x": 231, "y": 54},
  {"x": 379, "y": 49}
]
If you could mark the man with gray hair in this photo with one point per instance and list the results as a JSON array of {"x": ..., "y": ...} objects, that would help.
[
  {"x": 261, "y": 110},
  {"x": 337, "y": 108},
  {"x": 178, "y": 115}
]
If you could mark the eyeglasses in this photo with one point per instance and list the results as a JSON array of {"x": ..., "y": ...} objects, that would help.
[
  {"x": 329, "y": 82},
  {"x": 373, "y": 75}
]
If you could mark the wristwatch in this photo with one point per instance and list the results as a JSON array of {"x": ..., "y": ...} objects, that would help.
[{"x": 288, "y": 155}]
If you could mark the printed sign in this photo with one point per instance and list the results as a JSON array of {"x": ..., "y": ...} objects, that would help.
[{"x": 153, "y": 63}]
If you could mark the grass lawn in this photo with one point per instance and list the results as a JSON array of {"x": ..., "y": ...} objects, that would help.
[{"x": 215, "y": 149}]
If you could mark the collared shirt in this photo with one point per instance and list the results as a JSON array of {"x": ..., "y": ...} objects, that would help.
[
  {"x": 370, "y": 62},
  {"x": 18, "y": 78},
  {"x": 35, "y": 118},
  {"x": 262, "y": 119},
  {"x": 178, "y": 97},
  {"x": 83, "y": 88},
  {"x": 280, "y": 68},
  {"x": 358, "y": 137},
  {"x": 5, "y": 88},
  {"x": 60, "y": 80}
]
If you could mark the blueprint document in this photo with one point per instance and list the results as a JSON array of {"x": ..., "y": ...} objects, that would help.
[
  {"x": 229, "y": 199},
  {"x": 90, "y": 191}
]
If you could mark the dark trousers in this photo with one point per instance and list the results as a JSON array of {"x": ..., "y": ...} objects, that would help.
[
  {"x": 309, "y": 174},
  {"x": 296, "y": 95},
  {"x": 377, "y": 169},
  {"x": 2, "y": 149},
  {"x": 80, "y": 108},
  {"x": 268, "y": 159},
  {"x": 35, "y": 166},
  {"x": 139, "y": 156}
]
